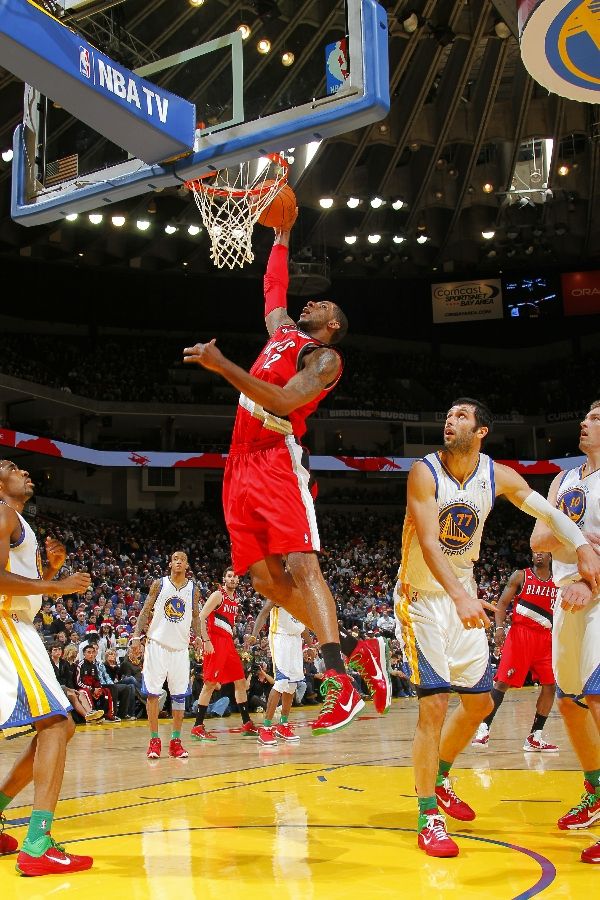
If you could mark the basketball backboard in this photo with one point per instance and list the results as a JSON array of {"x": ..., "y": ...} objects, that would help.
[{"x": 325, "y": 73}]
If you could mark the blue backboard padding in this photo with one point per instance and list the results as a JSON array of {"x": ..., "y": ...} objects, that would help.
[
  {"x": 228, "y": 147},
  {"x": 150, "y": 123}
]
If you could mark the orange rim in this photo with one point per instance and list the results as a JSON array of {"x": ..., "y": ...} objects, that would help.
[{"x": 199, "y": 184}]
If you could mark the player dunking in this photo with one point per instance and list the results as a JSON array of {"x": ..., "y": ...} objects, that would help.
[
  {"x": 221, "y": 662},
  {"x": 449, "y": 496},
  {"x": 267, "y": 501},
  {"x": 527, "y": 648},
  {"x": 285, "y": 638},
  {"x": 576, "y": 632},
  {"x": 173, "y": 603},
  {"x": 30, "y": 695}
]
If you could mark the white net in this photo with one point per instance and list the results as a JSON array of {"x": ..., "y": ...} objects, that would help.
[{"x": 231, "y": 203}]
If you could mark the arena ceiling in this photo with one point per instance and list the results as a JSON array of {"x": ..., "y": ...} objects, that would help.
[{"x": 464, "y": 115}]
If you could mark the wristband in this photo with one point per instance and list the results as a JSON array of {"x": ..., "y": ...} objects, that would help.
[{"x": 498, "y": 627}]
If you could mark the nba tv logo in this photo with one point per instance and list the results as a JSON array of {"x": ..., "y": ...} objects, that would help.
[{"x": 85, "y": 63}]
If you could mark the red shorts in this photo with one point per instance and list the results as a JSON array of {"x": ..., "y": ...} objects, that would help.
[
  {"x": 526, "y": 649},
  {"x": 268, "y": 505},
  {"x": 224, "y": 665}
]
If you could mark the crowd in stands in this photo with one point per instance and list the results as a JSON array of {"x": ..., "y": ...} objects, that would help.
[
  {"x": 145, "y": 368},
  {"x": 360, "y": 562}
]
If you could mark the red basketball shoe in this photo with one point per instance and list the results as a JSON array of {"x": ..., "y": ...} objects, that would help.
[
  {"x": 8, "y": 844},
  {"x": 585, "y": 813},
  {"x": 433, "y": 837},
  {"x": 249, "y": 729},
  {"x": 154, "y": 748},
  {"x": 199, "y": 733},
  {"x": 177, "y": 750},
  {"x": 452, "y": 804},
  {"x": 342, "y": 702},
  {"x": 266, "y": 736},
  {"x": 591, "y": 854},
  {"x": 535, "y": 743},
  {"x": 370, "y": 660},
  {"x": 55, "y": 861},
  {"x": 287, "y": 733}
]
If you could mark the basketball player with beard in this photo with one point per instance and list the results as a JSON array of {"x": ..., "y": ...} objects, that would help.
[
  {"x": 442, "y": 622},
  {"x": 30, "y": 696},
  {"x": 267, "y": 500},
  {"x": 576, "y": 631}
]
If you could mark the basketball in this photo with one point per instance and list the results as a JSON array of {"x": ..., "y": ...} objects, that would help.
[{"x": 281, "y": 211}]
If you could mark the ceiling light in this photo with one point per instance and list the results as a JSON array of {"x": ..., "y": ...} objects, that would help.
[
  {"x": 170, "y": 229},
  {"x": 326, "y": 202},
  {"x": 196, "y": 2},
  {"x": 422, "y": 239},
  {"x": 512, "y": 234},
  {"x": 560, "y": 228},
  {"x": 70, "y": 217},
  {"x": 412, "y": 21},
  {"x": 398, "y": 204},
  {"x": 244, "y": 30},
  {"x": 438, "y": 195},
  {"x": 491, "y": 253},
  {"x": 376, "y": 202},
  {"x": 193, "y": 230},
  {"x": 414, "y": 146},
  {"x": 350, "y": 238},
  {"x": 373, "y": 238},
  {"x": 453, "y": 172},
  {"x": 7, "y": 155},
  {"x": 488, "y": 235},
  {"x": 143, "y": 224},
  {"x": 383, "y": 128},
  {"x": 529, "y": 250},
  {"x": 398, "y": 239},
  {"x": 511, "y": 252},
  {"x": 348, "y": 258},
  {"x": 488, "y": 188},
  {"x": 287, "y": 59},
  {"x": 501, "y": 29},
  {"x": 264, "y": 46},
  {"x": 368, "y": 258},
  {"x": 352, "y": 202},
  {"x": 95, "y": 218},
  {"x": 441, "y": 164},
  {"x": 118, "y": 221},
  {"x": 563, "y": 169}
]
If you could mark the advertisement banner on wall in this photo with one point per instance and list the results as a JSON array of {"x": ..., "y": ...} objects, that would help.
[
  {"x": 581, "y": 293},
  {"x": 467, "y": 301}
]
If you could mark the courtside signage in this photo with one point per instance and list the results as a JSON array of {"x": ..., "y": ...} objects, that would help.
[
  {"x": 560, "y": 46},
  {"x": 466, "y": 301},
  {"x": 150, "y": 123}
]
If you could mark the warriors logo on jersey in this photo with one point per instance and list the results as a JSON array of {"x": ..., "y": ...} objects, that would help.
[
  {"x": 572, "y": 502},
  {"x": 458, "y": 524},
  {"x": 174, "y": 609}
]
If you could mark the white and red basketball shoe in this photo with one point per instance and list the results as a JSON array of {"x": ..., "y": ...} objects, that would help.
[
  {"x": 452, "y": 804},
  {"x": 266, "y": 736},
  {"x": 535, "y": 743},
  {"x": 482, "y": 736},
  {"x": 433, "y": 837},
  {"x": 154, "y": 748},
  {"x": 370, "y": 660},
  {"x": 286, "y": 732},
  {"x": 177, "y": 750},
  {"x": 341, "y": 703}
]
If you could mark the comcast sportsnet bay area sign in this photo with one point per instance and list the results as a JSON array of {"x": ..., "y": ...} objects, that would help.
[{"x": 466, "y": 301}]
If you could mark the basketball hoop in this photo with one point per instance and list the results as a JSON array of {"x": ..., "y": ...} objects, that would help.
[{"x": 230, "y": 202}]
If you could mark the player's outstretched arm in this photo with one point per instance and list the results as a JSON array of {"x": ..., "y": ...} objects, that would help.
[
  {"x": 276, "y": 283},
  {"x": 210, "y": 605},
  {"x": 320, "y": 370},
  {"x": 515, "y": 488}
]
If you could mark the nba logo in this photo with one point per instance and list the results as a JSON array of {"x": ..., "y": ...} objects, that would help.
[
  {"x": 85, "y": 67},
  {"x": 337, "y": 69}
]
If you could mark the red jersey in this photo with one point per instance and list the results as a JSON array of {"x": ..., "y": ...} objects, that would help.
[
  {"x": 280, "y": 359},
  {"x": 534, "y": 604},
  {"x": 223, "y": 617}
]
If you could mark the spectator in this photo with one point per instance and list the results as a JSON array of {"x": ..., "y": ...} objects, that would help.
[{"x": 88, "y": 680}]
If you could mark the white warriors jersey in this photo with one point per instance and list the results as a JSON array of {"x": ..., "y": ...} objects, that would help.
[
  {"x": 24, "y": 558},
  {"x": 283, "y": 622},
  {"x": 579, "y": 498},
  {"x": 172, "y": 616},
  {"x": 463, "y": 509}
]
